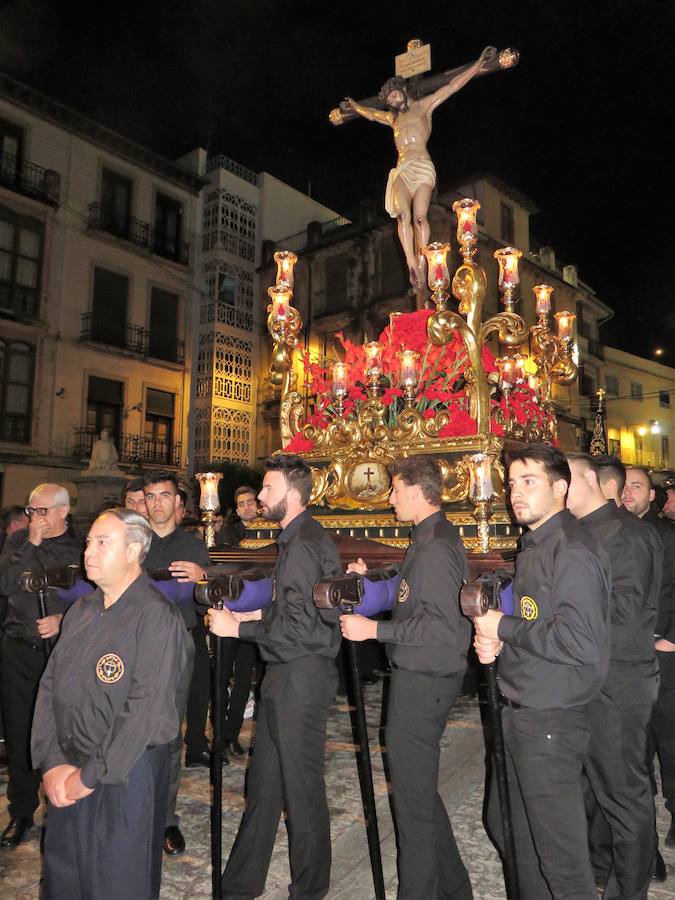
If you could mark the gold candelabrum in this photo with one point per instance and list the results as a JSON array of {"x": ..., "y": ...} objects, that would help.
[
  {"x": 283, "y": 323},
  {"x": 552, "y": 353},
  {"x": 209, "y": 503},
  {"x": 351, "y": 447}
]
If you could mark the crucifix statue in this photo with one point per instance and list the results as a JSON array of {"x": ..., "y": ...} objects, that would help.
[{"x": 406, "y": 105}]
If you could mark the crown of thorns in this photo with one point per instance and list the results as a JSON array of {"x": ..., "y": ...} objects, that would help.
[{"x": 395, "y": 83}]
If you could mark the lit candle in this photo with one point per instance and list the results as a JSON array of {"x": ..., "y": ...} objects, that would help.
[
  {"x": 533, "y": 383},
  {"x": 281, "y": 300},
  {"x": 542, "y": 293},
  {"x": 466, "y": 211},
  {"x": 285, "y": 260},
  {"x": 506, "y": 370},
  {"x": 393, "y": 316},
  {"x": 565, "y": 322},
  {"x": 480, "y": 477},
  {"x": 519, "y": 361},
  {"x": 409, "y": 368},
  {"x": 373, "y": 351},
  {"x": 508, "y": 258},
  {"x": 436, "y": 255},
  {"x": 340, "y": 375},
  {"x": 208, "y": 486}
]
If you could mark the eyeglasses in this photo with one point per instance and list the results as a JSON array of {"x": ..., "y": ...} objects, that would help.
[{"x": 40, "y": 510}]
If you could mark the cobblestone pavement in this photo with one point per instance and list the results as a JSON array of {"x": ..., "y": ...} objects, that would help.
[{"x": 461, "y": 786}]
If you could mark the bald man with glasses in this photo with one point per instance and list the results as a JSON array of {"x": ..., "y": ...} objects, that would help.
[{"x": 46, "y": 543}]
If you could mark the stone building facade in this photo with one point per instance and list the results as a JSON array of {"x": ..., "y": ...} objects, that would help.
[{"x": 97, "y": 252}]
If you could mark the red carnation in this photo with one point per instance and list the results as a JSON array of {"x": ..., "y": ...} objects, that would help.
[{"x": 299, "y": 444}]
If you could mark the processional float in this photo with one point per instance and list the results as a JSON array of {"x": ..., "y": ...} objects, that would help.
[{"x": 444, "y": 381}]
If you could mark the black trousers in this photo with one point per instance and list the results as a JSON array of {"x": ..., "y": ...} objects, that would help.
[
  {"x": 662, "y": 726},
  {"x": 200, "y": 694},
  {"x": 176, "y": 745},
  {"x": 618, "y": 773},
  {"x": 429, "y": 863},
  {"x": 545, "y": 754},
  {"x": 110, "y": 844},
  {"x": 238, "y": 660},
  {"x": 21, "y": 667},
  {"x": 287, "y": 773}
]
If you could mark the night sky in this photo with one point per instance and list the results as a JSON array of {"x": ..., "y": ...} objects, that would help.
[{"x": 582, "y": 126}]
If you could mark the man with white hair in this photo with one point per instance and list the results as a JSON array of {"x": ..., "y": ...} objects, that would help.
[
  {"x": 104, "y": 718},
  {"x": 46, "y": 543}
]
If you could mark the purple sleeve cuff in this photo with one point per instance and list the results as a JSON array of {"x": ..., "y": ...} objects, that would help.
[
  {"x": 177, "y": 592},
  {"x": 79, "y": 589},
  {"x": 255, "y": 595},
  {"x": 506, "y": 600},
  {"x": 378, "y": 596}
]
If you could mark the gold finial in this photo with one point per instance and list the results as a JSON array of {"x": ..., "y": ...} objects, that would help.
[
  {"x": 508, "y": 58},
  {"x": 335, "y": 116}
]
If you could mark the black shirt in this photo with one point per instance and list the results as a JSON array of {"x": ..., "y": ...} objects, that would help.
[
  {"x": 665, "y": 622},
  {"x": 109, "y": 688},
  {"x": 292, "y": 627},
  {"x": 635, "y": 581},
  {"x": 427, "y": 631},
  {"x": 231, "y": 534},
  {"x": 18, "y": 556},
  {"x": 173, "y": 547},
  {"x": 556, "y": 645}
]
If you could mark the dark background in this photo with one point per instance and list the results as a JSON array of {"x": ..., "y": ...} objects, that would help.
[{"x": 582, "y": 125}]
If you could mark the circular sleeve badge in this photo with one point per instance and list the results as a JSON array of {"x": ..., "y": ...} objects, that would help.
[
  {"x": 109, "y": 668},
  {"x": 403, "y": 591},
  {"x": 528, "y": 609}
]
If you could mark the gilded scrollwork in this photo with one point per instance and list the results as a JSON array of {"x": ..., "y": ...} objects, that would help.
[
  {"x": 510, "y": 327},
  {"x": 291, "y": 412}
]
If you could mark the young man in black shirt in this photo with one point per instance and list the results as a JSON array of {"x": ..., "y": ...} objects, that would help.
[
  {"x": 186, "y": 558},
  {"x": 617, "y": 765},
  {"x": 299, "y": 644},
  {"x": 427, "y": 640},
  {"x": 104, "y": 717},
  {"x": 554, "y": 658},
  {"x": 238, "y": 657},
  {"x": 637, "y": 497}
]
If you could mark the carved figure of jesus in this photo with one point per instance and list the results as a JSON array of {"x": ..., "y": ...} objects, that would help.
[{"x": 412, "y": 181}]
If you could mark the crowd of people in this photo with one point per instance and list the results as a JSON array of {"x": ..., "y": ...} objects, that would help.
[{"x": 98, "y": 678}]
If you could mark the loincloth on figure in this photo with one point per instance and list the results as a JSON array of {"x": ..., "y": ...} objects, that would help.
[{"x": 413, "y": 173}]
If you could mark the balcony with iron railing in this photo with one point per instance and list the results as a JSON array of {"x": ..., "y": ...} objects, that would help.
[
  {"x": 168, "y": 349},
  {"x": 168, "y": 246},
  {"x": 113, "y": 333},
  {"x": 99, "y": 218},
  {"x": 132, "y": 338},
  {"x": 133, "y": 449},
  {"x": 29, "y": 179}
]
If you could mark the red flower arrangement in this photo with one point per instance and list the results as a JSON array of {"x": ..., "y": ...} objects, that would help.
[{"x": 440, "y": 386}]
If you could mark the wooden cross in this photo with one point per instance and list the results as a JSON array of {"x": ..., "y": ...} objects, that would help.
[{"x": 410, "y": 65}]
